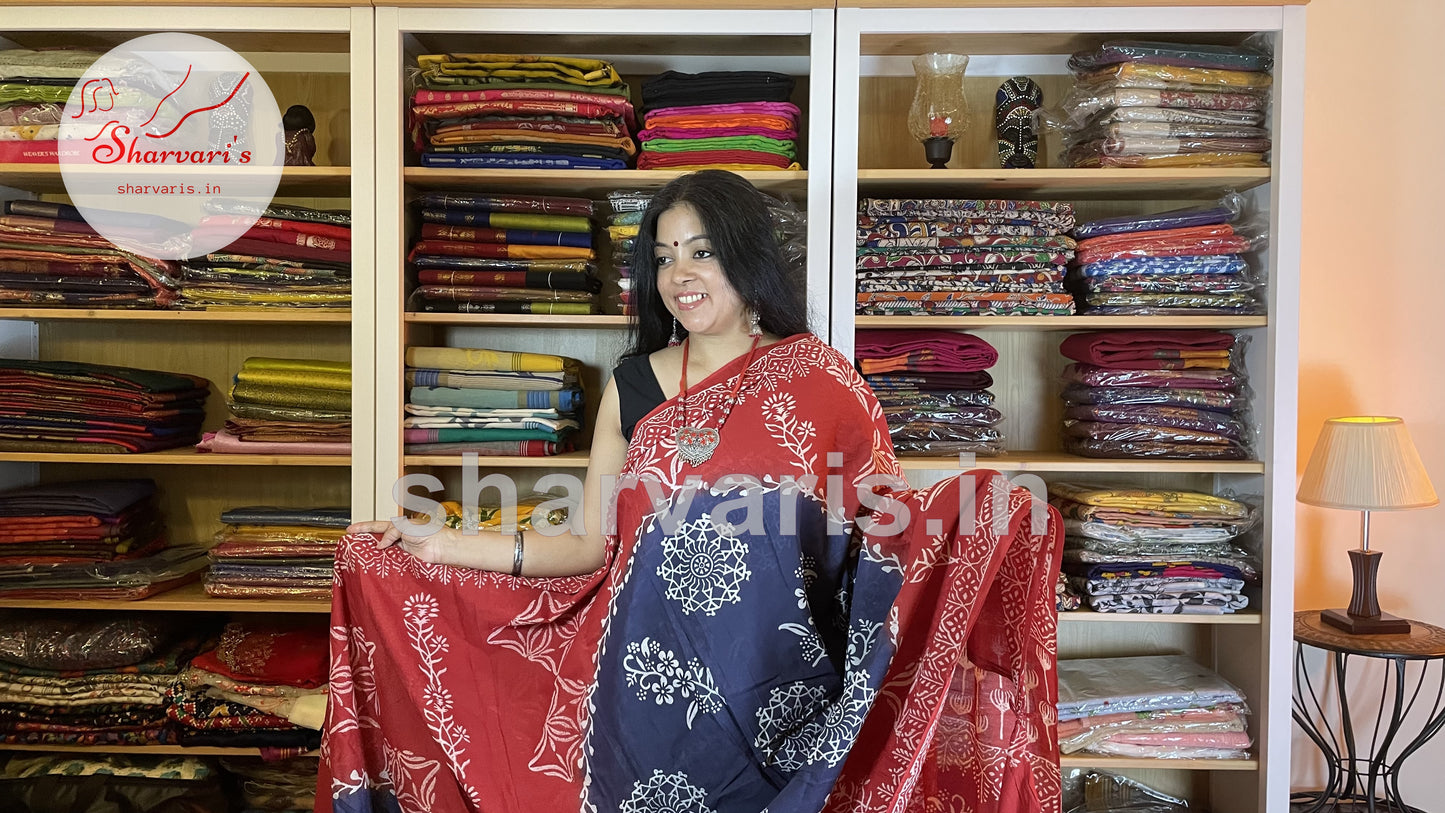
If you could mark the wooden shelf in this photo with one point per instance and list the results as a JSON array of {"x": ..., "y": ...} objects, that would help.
[
  {"x": 295, "y": 181},
  {"x": 1059, "y": 461},
  {"x": 298, "y": 316},
  {"x": 1091, "y": 617},
  {"x": 566, "y": 460},
  {"x": 1062, "y": 322},
  {"x": 549, "y": 320},
  {"x": 1060, "y": 184},
  {"x": 586, "y": 183},
  {"x": 181, "y": 457},
  {"x": 1014, "y": 461},
  {"x": 189, "y": 597},
  {"x": 179, "y": 750},
  {"x": 1109, "y": 763}
]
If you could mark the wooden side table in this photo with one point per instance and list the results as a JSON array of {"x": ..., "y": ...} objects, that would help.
[{"x": 1360, "y": 779}]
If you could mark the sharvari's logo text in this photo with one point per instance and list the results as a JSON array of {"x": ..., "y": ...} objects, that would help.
[{"x": 171, "y": 146}]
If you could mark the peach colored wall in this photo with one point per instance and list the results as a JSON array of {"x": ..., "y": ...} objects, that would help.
[{"x": 1372, "y": 325}]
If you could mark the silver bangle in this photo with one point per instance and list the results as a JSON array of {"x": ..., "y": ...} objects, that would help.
[{"x": 517, "y": 554}]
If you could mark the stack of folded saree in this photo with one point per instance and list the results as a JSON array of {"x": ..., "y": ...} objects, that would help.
[
  {"x": 1183, "y": 262},
  {"x": 1145, "y": 104},
  {"x": 287, "y": 406},
  {"x": 266, "y": 552},
  {"x": 50, "y": 256},
  {"x": 933, "y": 387},
  {"x": 504, "y": 254},
  {"x": 64, "y": 406},
  {"x": 490, "y": 402},
  {"x": 287, "y": 786},
  {"x": 737, "y": 120},
  {"x": 1152, "y": 706},
  {"x": 80, "y": 522},
  {"x": 1136, "y": 550},
  {"x": 513, "y": 111},
  {"x": 622, "y": 227},
  {"x": 1066, "y": 598},
  {"x": 291, "y": 257},
  {"x": 67, "y": 679},
  {"x": 1154, "y": 393},
  {"x": 34, "y": 86},
  {"x": 963, "y": 257},
  {"x": 139, "y": 782},
  {"x": 245, "y": 692}
]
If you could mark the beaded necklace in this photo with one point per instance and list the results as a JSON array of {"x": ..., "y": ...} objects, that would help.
[{"x": 695, "y": 444}]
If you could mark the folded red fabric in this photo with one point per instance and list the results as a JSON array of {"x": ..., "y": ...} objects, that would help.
[
  {"x": 1150, "y": 349},
  {"x": 925, "y": 350}
]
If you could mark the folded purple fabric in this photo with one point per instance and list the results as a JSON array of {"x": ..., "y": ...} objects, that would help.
[
  {"x": 101, "y": 498},
  {"x": 715, "y": 132},
  {"x": 929, "y": 350},
  {"x": 1176, "y": 219}
]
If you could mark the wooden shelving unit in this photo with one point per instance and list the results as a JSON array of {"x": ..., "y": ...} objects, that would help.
[
  {"x": 251, "y": 316},
  {"x": 179, "y": 457},
  {"x": 876, "y": 159},
  {"x": 320, "y": 57},
  {"x": 154, "y": 750},
  {"x": 1062, "y": 184},
  {"x": 1108, "y": 763},
  {"x": 190, "y": 598},
  {"x": 295, "y": 181},
  {"x": 585, "y": 183},
  {"x": 1063, "y": 323},
  {"x": 857, "y": 91}
]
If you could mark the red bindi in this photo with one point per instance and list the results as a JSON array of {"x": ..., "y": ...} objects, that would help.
[{"x": 674, "y": 244}]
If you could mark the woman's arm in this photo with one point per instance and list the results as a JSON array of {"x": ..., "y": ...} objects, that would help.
[{"x": 563, "y": 554}]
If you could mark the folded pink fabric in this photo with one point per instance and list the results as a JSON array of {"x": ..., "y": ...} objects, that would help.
[
  {"x": 714, "y": 132},
  {"x": 741, "y": 108},
  {"x": 224, "y": 442}
]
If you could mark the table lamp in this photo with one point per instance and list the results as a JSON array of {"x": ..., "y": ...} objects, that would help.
[
  {"x": 1365, "y": 464},
  {"x": 939, "y": 112}
]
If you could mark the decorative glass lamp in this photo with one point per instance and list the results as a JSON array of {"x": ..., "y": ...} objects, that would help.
[
  {"x": 939, "y": 113},
  {"x": 1366, "y": 464}
]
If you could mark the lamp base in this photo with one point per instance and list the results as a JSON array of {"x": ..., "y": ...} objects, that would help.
[
  {"x": 1382, "y": 624},
  {"x": 938, "y": 150}
]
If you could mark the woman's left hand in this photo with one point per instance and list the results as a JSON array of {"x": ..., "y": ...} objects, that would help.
[{"x": 432, "y": 548}]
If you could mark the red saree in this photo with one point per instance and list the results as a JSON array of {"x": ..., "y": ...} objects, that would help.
[{"x": 664, "y": 681}]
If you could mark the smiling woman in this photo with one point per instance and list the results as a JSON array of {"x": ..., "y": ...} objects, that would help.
[
  {"x": 710, "y": 234},
  {"x": 772, "y": 622}
]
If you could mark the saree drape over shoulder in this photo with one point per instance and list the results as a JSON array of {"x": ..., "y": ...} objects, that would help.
[{"x": 783, "y": 629}]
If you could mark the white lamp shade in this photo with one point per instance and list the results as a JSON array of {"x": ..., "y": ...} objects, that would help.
[{"x": 1366, "y": 464}]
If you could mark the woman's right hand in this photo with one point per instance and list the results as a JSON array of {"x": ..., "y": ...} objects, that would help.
[{"x": 432, "y": 548}]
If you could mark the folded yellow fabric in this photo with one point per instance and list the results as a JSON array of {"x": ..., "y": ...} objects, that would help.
[
  {"x": 1149, "y": 499},
  {"x": 465, "y": 358}
]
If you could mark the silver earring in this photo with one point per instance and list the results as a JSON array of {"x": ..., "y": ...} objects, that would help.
[
  {"x": 676, "y": 334},
  {"x": 754, "y": 329}
]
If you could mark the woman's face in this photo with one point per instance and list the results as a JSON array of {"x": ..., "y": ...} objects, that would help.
[{"x": 690, "y": 278}]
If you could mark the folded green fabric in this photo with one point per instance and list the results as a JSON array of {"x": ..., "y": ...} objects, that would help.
[{"x": 754, "y": 143}]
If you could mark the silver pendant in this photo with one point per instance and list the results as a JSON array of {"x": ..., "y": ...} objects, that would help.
[{"x": 695, "y": 444}]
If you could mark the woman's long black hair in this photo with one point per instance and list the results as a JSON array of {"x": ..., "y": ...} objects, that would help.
[{"x": 736, "y": 217}]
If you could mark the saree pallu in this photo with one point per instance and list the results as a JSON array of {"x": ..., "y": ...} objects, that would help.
[{"x": 713, "y": 666}]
